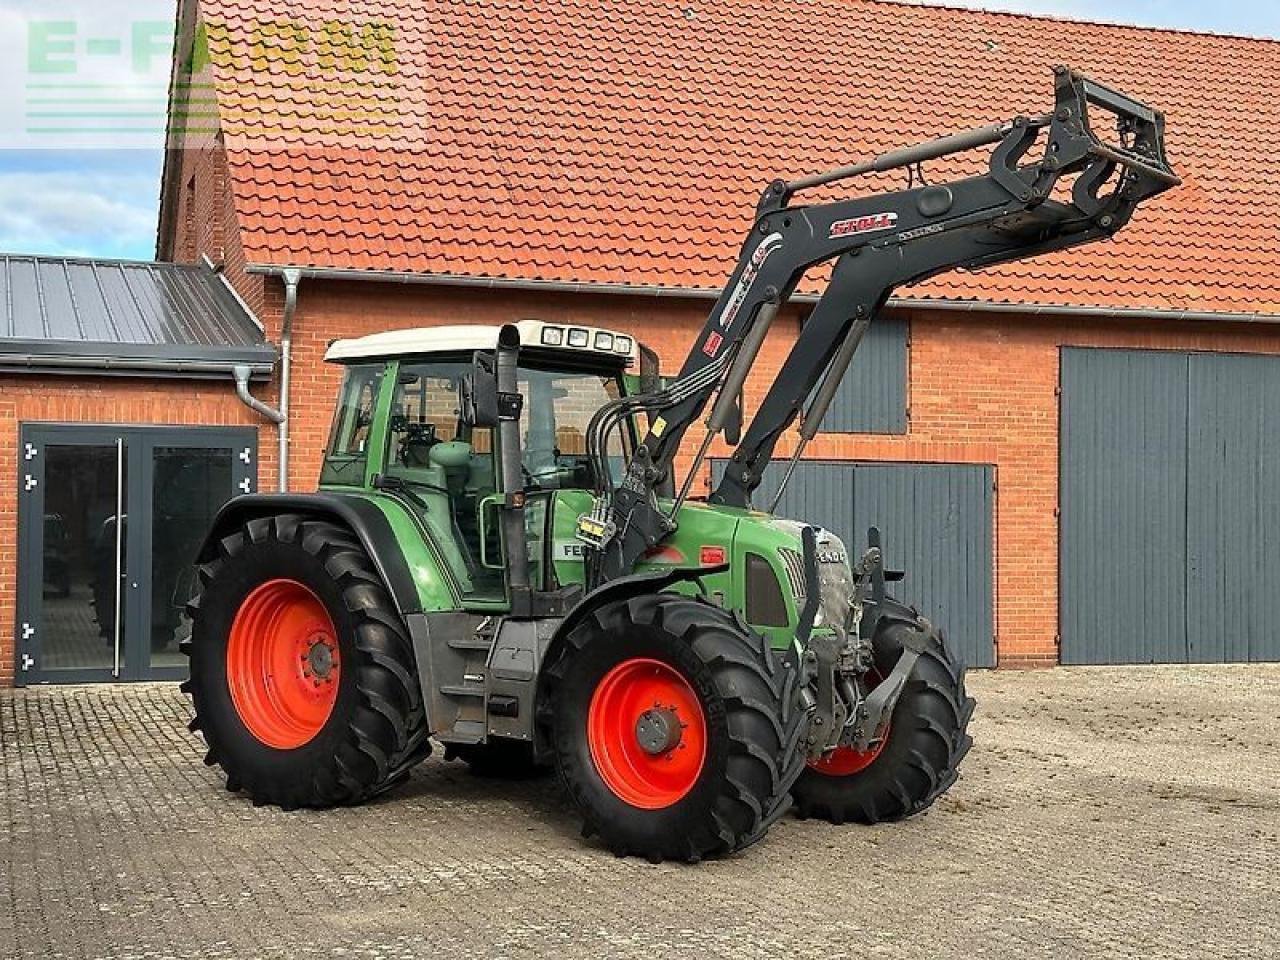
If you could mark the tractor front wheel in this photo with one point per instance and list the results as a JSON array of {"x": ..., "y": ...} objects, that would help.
[
  {"x": 302, "y": 671},
  {"x": 917, "y": 760},
  {"x": 675, "y": 728}
]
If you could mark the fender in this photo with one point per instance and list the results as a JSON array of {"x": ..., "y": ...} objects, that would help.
[
  {"x": 650, "y": 581},
  {"x": 363, "y": 518}
]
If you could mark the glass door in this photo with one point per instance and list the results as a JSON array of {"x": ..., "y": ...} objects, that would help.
[
  {"x": 109, "y": 523},
  {"x": 73, "y": 492}
]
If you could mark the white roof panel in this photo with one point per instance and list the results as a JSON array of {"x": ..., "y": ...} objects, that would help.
[{"x": 465, "y": 337}]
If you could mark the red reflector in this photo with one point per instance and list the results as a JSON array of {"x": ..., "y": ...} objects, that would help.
[{"x": 711, "y": 556}]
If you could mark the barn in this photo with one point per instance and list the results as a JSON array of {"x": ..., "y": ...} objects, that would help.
[{"x": 1073, "y": 457}]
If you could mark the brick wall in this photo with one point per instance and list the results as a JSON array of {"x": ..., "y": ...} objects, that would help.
[
  {"x": 982, "y": 389},
  {"x": 205, "y": 218},
  {"x": 33, "y": 399}
]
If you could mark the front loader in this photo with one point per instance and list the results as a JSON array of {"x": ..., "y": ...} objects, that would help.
[{"x": 500, "y": 561}]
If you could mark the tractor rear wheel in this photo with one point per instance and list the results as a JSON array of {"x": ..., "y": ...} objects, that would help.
[
  {"x": 675, "y": 728},
  {"x": 302, "y": 671},
  {"x": 917, "y": 760}
]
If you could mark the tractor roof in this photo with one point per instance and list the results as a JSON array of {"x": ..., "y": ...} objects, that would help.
[{"x": 575, "y": 340}]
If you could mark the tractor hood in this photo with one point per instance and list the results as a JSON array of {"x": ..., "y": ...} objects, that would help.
[{"x": 766, "y": 577}]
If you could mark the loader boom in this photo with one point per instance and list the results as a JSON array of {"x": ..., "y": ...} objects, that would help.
[{"x": 879, "y": 242}]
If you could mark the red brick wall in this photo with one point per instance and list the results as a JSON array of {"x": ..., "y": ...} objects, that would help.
[
  {"x": 205, "y": 218},
  {"x": 983, "y": 389},
  {"x": 33, "y": 399}
]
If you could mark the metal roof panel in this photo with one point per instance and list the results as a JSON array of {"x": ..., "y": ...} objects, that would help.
[{"x": 82, "y": 313}]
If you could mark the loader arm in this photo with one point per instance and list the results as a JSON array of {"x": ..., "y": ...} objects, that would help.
[{"x": 878, "y": 243}]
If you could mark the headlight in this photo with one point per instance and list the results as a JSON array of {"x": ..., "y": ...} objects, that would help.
[
  {"x": 578, "y": 337},
  {"x": 604, "y": 341},
  {"x": 622, "y": 345},
  {"x": 552, "y": 336}
]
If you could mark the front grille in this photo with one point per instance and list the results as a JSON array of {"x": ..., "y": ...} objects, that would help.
[{"x": 794, "y": 563}]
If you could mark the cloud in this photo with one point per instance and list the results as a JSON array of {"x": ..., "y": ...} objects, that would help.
[{"x": 79, "y": 213}]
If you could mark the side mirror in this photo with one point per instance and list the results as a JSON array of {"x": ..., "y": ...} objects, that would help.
[
  {"x": 486, "y": 514},
  {"x": 478, "y": 393}
]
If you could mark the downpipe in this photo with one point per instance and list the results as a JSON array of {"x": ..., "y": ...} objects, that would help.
[
  {"x": 292, "y": 278},
  {"x": 242, "y": 374},
  {"x": 279, "y": 416}
]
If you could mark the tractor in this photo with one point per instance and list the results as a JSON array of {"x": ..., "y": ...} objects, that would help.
[{"x": 499, "y": 559}]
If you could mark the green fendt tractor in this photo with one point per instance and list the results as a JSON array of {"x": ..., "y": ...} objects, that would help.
[{"x": 498, "y": 559}]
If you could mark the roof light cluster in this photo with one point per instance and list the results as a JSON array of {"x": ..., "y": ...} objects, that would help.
[{"x": 581, "y": 338}]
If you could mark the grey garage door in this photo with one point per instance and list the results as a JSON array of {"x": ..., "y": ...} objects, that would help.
[
  {"x": 937, "y": 526},
  {"x": 1170, "y": 500}
]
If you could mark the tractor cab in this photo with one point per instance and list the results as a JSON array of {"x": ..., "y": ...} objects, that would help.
[{"x": 402, "y": 427}]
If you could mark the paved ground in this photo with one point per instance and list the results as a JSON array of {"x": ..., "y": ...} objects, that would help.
[{"x": 1103, "y": 813}]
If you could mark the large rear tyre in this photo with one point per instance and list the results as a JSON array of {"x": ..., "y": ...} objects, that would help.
[
  {"x": 919, "y": 758},
  {"x": 302, "y": 671},
  {"x": 675, "y": 728}
]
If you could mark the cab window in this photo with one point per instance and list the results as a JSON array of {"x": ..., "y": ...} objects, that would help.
[
  {"x": 449, "y": 468},
  {"x": 558, "y": 408},
  {"x": 348, "y": 452}
]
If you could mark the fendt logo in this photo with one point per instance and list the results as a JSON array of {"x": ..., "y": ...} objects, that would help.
[{"x": 867, "y": 224}]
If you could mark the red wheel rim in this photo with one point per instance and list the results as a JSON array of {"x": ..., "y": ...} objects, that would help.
[
  {"x": 283, "y": 664},
  {"x": 846, "y": 761},
  {"x": 647, "y": 733}
]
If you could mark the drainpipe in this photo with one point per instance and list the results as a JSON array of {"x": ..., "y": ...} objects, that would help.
[
  {"x": 292, "y": 277},
  {"x": 242, "y": 373},
  {"x": 280, "y": 417}
]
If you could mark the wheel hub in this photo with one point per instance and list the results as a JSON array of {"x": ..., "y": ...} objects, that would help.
[
  {"x": 658, "y": 730},
  {"x": 320, "y": 659}
]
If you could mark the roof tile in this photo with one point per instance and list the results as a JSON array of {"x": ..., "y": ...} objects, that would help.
[{"x": 617, "y": 142}]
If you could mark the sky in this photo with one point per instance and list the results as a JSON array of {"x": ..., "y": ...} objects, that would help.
[{"x": 82, "y": 93}]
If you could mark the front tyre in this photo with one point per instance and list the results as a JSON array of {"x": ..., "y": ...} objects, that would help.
[
  {"x": 302, "y": 671},
  {"x": 675, "y": 728},
  {"x": 919, "y": 757}
]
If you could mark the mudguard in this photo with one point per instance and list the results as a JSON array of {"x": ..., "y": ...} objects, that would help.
[{"x": 363, "y": 518}]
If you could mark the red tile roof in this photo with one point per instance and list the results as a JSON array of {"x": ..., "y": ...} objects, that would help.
[{"x": 626, "y": 141}]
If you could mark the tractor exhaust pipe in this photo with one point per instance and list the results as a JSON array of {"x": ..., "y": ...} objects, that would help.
[{"x": 510, "y": 403}]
